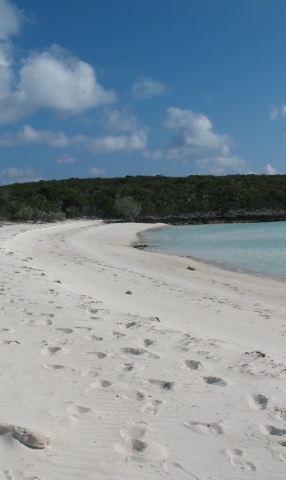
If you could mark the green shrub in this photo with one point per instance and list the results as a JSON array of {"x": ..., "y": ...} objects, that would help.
[
  {"x": 39, "y": 216},
  {"x": 55, "y": 216},
  {"x": 126, "y": 207},
  {"x": 25, "y": 214}
]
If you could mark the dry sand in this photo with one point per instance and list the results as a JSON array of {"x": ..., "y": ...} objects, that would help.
[{"x": 184, "y": 378}]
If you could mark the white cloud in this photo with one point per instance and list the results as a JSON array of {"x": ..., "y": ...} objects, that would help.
[
  {"x": 6, "y": 74},
  {"x": 54, "y": 80},
  {"x": 29, "y": 136},
  {"x": 154, "y": 156},
  {"x": 117, "y": 143},
  {"x": 67, "y": 159},
  {"x": 96, "y": 171},
  {"x": 107, "y": 144},
  {"x": 219, "y": 165},
  {"x": 117, "y": 121},
  {"x": 277, "y": 112},
  {"x": 195, "y": 140},
  {"x": 18, "y": 175},
  {"x": 146, "y": 87},
  {"x": 267, "y": 170},
  {"x": 120, "y": 121},
  {"x": 11, "y": 19},
  {"x": 194, "y": 135}
]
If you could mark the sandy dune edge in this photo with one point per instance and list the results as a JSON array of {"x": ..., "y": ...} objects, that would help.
[{"x": 183, "y": 378}]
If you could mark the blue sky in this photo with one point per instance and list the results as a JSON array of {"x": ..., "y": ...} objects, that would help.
[{"x": 141, "y": 87}]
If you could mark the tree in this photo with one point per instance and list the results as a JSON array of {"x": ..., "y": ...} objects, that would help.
[
  {"x": 126, "y": 207},
  {"x": 25, "y": 214}
]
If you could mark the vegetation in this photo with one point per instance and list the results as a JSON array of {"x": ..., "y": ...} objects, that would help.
[
  {"x": 126, "y": 207},
  {"x": 141, "y": 196}
]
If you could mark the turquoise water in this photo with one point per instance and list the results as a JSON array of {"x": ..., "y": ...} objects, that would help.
[{"x": 254, "y": 247}]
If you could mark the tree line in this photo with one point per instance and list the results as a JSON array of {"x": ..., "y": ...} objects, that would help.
[{"x": 141, "y": 197}]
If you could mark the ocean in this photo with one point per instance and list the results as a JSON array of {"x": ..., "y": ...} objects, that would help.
[{"x": 258, "y": 248}]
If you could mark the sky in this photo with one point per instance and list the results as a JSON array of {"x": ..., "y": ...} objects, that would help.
[{"x": 112, "y": 88}]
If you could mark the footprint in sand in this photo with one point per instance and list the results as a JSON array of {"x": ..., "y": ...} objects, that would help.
[
  {"x": 136, "y": 430},
  {"x": 165, "y": 386},
  {"x": 131, "y": 445},
  {"x": 81, "y": 412},
  {"x": 65, "y": 330},
  {"x": 7, "y": 475},
  {"x": 257, "y": 401},
  {"x": 59, "y": 368},
  {"x": 99, "y": 355},
  {"x": 193, "y": 364},
  {"x": 281, "y": 413},
  {"x": 274, "y": 431},
  {"x": 133, "y": 351},
  {"x": 132, "y": 395},
  {"x": 92, "y": 338},
  {"x": 58, "y": 351},
  {"x": 130, "y": 324},
  {"x": 78, "y": 409},
  {"x": 89, "y": 373},
  {"x": 236, "y": 459},
  {"x": 215, "y": 381},
  {"x": 128, "y": 367},
  {"x": 216, "y": 428},
  {"x": 9, "y": 342},
  {"x": 119, "y": 334},
  {"x": 44, "y": 323},
  {"x": 135, "y": 445},
  {"x": 151, "y": 408},
  {"x": 101, "y": 384}
]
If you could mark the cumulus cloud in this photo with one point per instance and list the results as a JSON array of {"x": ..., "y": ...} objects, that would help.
[
  {"x": 194, "y": 135},
  {"x": 57, "y": 80},
  {"x": 106, "y": 144},
  {"x": 11, "y": 19},
  {"x": 6, "y": 74},
  {"x": 29, "y": 136},
  {"x": 53, "y": 79},
  {"x": 195, "y": 140},
  {"x": 96, "y": 172},
  {"x": 67, "y": 159},
  {"x": 18, "y": 175},
  {"x": 117, "y": 143},
  {"x": 146, "y": 87}
]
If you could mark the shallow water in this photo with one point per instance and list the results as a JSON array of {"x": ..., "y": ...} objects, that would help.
[{"x": 254, "y": 247}]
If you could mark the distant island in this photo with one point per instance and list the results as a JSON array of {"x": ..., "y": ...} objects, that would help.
[{"x": 175, "y": 200}]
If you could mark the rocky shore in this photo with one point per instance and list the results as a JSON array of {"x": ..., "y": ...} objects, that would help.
[{"x": 231, "y": 216}]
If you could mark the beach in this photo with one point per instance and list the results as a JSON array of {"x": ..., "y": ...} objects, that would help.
[{"x": 126, "y": 364}]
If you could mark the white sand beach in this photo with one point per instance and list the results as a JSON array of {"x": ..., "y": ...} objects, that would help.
[{"x": 182, "y": 378}]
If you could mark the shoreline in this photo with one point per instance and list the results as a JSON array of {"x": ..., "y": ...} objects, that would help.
[
  {"x": 221, "y": 265},
  {"x": 133, "y": 365}
]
